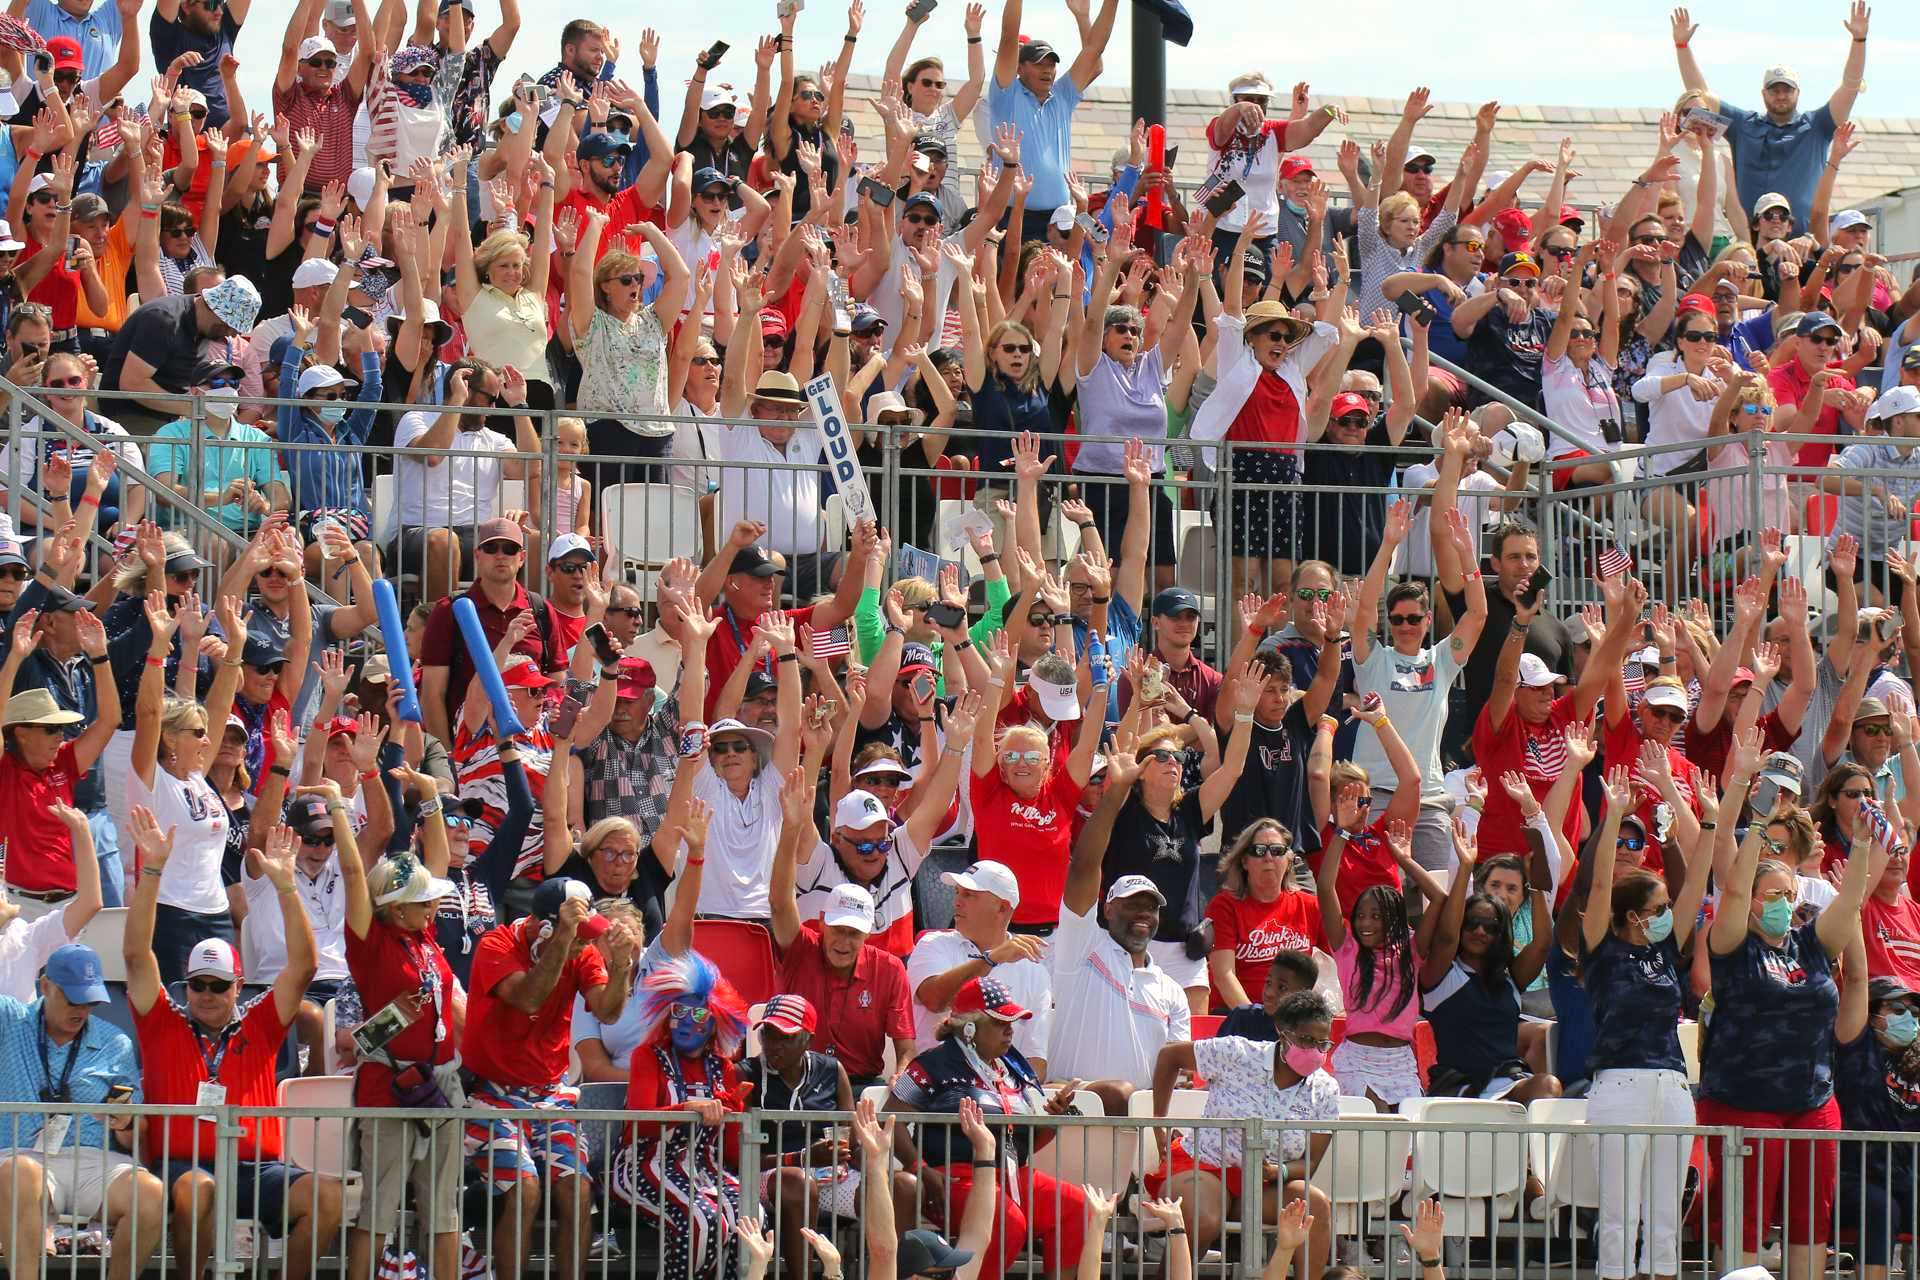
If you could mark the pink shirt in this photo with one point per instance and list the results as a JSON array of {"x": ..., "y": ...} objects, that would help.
[{"x": 1382, "y": 996}]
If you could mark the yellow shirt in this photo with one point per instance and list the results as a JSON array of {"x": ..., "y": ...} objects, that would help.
[{"x": 505, "y": 330}]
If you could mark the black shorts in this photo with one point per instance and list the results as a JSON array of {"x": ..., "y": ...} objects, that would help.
[
  {"x": 407, "y": 553},
  {"x": 262, "y": 1189},
  {"x": 1111, "y": 503}
]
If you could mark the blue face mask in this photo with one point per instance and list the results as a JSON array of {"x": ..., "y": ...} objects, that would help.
[
  {"x": 1776, "y": 918},
  {"x": 1298, "y": 210},
  {"x": 514, "y": 121},
  {"x": 1659, "y": 928},
  {"x": 332, "y": 411},
  {"x": 1902, "y": 1028}
]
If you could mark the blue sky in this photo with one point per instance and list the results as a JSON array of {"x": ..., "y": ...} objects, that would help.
[{"x": 1616, "y": 54}]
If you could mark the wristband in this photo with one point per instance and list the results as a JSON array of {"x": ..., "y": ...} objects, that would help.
[
  {"x": 851, "y": 39},
  {"x": 1330, "y": 724},
  {"x": 696, "y": 862},
  {"x": 1429, "y": 1264},
  {"x": 280, "y": 770},
  {"x": 430, "y": 808},
  {"x": 1666, "y": 658},
  {"x": 234, "y": 662},
  {"x": 322, "y": 227},
  {"x": 963, "y": 646},
  {"x": 789, "y": 657},
  {"x": 155, "y": 872},
  {"x": 1519, "y": 627},
  {"x": 924, "y": 719},
  {"x": 986, "y": 1164},
  {"x": 90, "y": 500},
  {"x": 369, "y": 775},
  {"x": 102, "y": 660},
  {"x": 1062, "y": 619},
  {"x": 892, "y": 630},
  {"x": 1239, "y": 717},
  {"x": 992, "y": 557},
  {"x": 1009, "y": 164},
  {"x": 1474, "y": 576},
  {"x": 1174, "y": 1231},
  {"x": 1708, "y": 826},
  {"x": 219, "y": 164},
  {"x": 1191, "y": 713},
  {"x": 156, "y": 662},
  {"x": 973, "y": 39},
  {"x": 996, "y": 682},
  {"x": 1102, "y": 599}
]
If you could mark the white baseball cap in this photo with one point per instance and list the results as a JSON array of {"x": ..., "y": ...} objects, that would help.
[
  {"x": 568, "y": 544},
  {"x": 719, "y": 95},
  {"x": 1648, "y": 656},
  {"x": 1251, "y": 83},
  {"x": 1660, "y": 694},
  {"x": 214, "y": 958},
  {"x": 1062, "y": 219},
  {"x": 318, "y": 377},
  {"x": 858, "y": 810},
  {"x": 314, "y": 271},
  {"x": 995, "y": 878},
  {"x": 7, "y": 242},
  {"x": 1899, "y": 400},
  {"x": 1848, "y": 218},
  {"x": 850, "y": 907},
  {"x": 360, "y": 186},
  {"x": 1780, "y": 75},
  {"x": 1536, "y": 674},
  {"x": 313, "y": 45},
  {"x": 1127, "y": 886}
]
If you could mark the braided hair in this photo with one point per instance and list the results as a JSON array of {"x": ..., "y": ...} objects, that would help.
[{"x": 1399, "y": 943}]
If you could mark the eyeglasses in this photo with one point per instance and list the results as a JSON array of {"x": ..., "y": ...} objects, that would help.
[
  {"x": 1266, "y": 851},
  {"x": 1016, "y": 348},
  {"x": 210, "y": 986},
  {"x": 1417, "y": 166},
  {"x": 1371, "y": 397},
  {"x": 730, "y": 746},
  {"x": 323, "y": 64},
  {"x": 1632, "y": 844},
  {"x": 618, "y": 855},
  {"x": 177, "y": 231},
  {"x": 1472, "y": 246},
  {"x": 1824, "y": 339},
  {"x": 1162, "y": 755},
  {"x": 1563, "y": 252},
  {"x": 867, "y": 848},
  {"x": 500, "y": 547},
  {"x": 704, "y": 362},
  {"x": 1698, "y": 335},
  {"x": 694, "y": 1013},
  {"x": 1874, "y": 730},
  {"x": 631, "y": 278},
  {"x": 1306, "y": 594},
  {"x": 1644, "y": 240},
  {"x": 811, "y": 95},
  {"x": 1022, "y": 757},
  {"x": 1524, "y": 282},
  {"x": 1406, "y": 619}
]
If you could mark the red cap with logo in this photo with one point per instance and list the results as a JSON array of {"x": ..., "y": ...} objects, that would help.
[
  {"x": 1699, "y": 302},
  {"x": 1294, "y": 166},
  {"x": 1348, "y": 402},
  {"x": 65, "y": 51}
]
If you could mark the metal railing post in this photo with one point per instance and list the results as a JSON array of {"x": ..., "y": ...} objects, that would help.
[
  {"x": 1225, "y": 602},
  {"x": 890, "y": 511},
  {"x": 1733, "y": 1154},
  {"x": 14, "y": 445},
  {"x": 1253, "y": 1156},
  {"x": 226, "y": 1151},
  {"x": 749, "y": 1165}
]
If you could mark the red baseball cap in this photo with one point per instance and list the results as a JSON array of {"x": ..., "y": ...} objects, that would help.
[
  {"x": 989, "y": 995},
  {"x": 1347, "y": 402},
  {"x": 1514, "y": 224},
  {"x": 66, "y": 53},
  {"x": 525, "y": 675},
  {"x": 1294, "y": 166},
  {"x": 1570, "y": 216},
  {"x": 342, "y": 724},
  {"x": 772, "y": 324},
  {"x": 637, "y": 678},
  {"x": 1694, "y": 302}
]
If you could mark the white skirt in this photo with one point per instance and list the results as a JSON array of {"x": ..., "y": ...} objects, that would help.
[{"x": 1391, "y": 1075}]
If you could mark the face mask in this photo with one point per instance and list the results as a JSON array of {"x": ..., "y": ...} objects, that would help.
[
  {"x": 333, "y": 411},
  {"x": 1302, "y": 1060},
  {"x": 1659, "y": 927},
  {"x": 1902, "y": 1028},
  {"x": 420, "y": 95},
  {"x": 1777, "y": 918},
  {"x": 221, "y": 404},
  {"x": 689, "y": 1036},
  {"x": 1296, "y": 209},
  {"x": 514, "y": 121}
]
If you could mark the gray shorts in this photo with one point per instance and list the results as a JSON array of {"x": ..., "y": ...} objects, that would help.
[{"x": 1432, "y": 831}]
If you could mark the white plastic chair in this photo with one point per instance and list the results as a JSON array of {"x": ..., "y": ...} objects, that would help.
[
  {"x": 1567, "y": 1164},
  {"x": 753, "y": 1035},
  {"x": 320, "y": 1145},
  {"x": 1479, "y": 1174},
  {"x": 385, "y": 514},
  {"x": 1197, "y": 562},
  {"x": 1690, "y": 1050},
  {"x": 104, "y": 933},
  {"x": 1363, "y": 1168},
  {"x": 1080, "y": 1154},
  {"x": 329, "y": 1032},
  {"x": 1185, "y": 1104},
  {"x": 649, "y": 524}
]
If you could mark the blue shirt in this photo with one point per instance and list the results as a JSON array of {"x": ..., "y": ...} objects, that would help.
[
  {"x": 1046, "y": 134},
  {"x": 1786, "y": 158},
  {"x": 1769, "y": 1044},
  {"x": 99, "y": 33},
  {"x": 31, "y": 1064},
  {"x": 226, "y": 459},
  {"x": 1636, "y": 993},
  {"x": 327, "y": 479},
  {"x": 168, "y": 40},
  {"x": 1875, "y": 1093}
]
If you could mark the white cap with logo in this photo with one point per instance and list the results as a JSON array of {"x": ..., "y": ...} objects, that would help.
[
  {"x": 850, "y": 907},
  {"x": 1535, "y": 673},
  {"x": 995, "y": 878},
  {"x": 858, "y": 810},
  {"x": 214, "y": 958}
]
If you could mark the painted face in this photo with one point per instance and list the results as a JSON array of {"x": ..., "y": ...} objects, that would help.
[{"x": 690, "y": 1027}]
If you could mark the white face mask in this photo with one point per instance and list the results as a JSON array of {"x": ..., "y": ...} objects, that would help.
[{"x": 221, "y": 404}]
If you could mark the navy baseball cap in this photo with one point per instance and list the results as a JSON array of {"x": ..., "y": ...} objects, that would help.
[
  {"x": 602, "y": 146},
  {"x": 1175, "y": 600},
  {"x": 1814, "y": 322},
  {"x": 707, "y": 177}
]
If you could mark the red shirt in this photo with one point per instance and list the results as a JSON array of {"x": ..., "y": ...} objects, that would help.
[
  {"x": 59, "y": 290},
  {"x": 1258, "y": 931},
  {"x": 567, "y": 630},
  {"x": 443, "y": 645},
  {"x": 38, "y": 847},
  {"x": 1034, "y": 838},
  {"x": 650, "y": 1089},
  {"x": 858, "y": 1013},
  {"x": 1364, "y": 863},
  {"x": 174, "y": 1057},
  {"x": 1271, "y": 414},
  {"x": 729, "y": 645},
  {"x": 1791, "y": 385},
  {"x": 504, "y": 1046},
  {"x": 330, "y": 115},
  {"x": 385, "y": 965},
  {"x": 1622, "y": 747},
  {"x": 1708, "y": 749},
  {"x": 1891, "y": 931},
  {"x": 1537, "y": 750}
]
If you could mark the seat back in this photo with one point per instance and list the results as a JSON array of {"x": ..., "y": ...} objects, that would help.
[
  {"x": 753, "y": 1033},
  {"x": 1185, "y": 1104},
  {"x": 1079, "y": 1154},
  {"x": 1567, "y": 1164},
  {"x": 104, "y": 933},
  {"x": 1690, "y": 1049},
  {"x": 599, "y": 1138},
  {"x": 1483, "y": 1164},
  {"x": 1364, "y": 1167},
  {"x": 743, "y": 951},
  {"x": 319, "y": 1145},
  {"x": 648, "y": 524}
]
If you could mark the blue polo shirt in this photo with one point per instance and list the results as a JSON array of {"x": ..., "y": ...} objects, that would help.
[
  {"x": 98, "y": 33},
  {"x": 168, "y": 40},
  {"x": 102, "y": 1057},
  {"x": 1779, "y": 157},
  {"x": 1046, "y": 134}
]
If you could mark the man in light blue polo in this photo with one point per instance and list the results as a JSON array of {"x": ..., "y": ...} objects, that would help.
[
  {"x": 1782, "y": 148},
  {"x": 1029, "y": 93},
  {"x": 98, "y": 27},
  {"x": 54, "y": 1050}
]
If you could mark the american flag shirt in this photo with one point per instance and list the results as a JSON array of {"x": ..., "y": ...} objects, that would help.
[{"x": 478, "y": 776}]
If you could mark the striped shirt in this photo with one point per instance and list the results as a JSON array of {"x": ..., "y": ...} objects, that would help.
[
  {"x": 398, "y": 130},
  {"x": 330, "y": 116},
  {"x": 1111, "y": 1018},
  {"x": 478, "y": 776}
]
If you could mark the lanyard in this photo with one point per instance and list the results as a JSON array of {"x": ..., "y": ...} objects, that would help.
[
  {"x": 739, "y": 639},
  {"x": 220, "y": 1046},
  {"x": 51, "y": 1092},
  {"x": 422, "y": 957}
]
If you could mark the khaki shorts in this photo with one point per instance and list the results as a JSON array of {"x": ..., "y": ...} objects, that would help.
[
  {"x": 394, "y": 1152},
  {"x": 77, "y": 1178}
]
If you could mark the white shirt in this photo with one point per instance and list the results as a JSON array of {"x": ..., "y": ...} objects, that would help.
[
  {"x": 817, "y": 877},
  {"x": 1255, "y": 165},
  {"x": 1676, "y": 417},
  {"x": 461, "y": 492},
  {"x": 886, "y": 296},
  {"x": 740, "y": 844},
  {"x": 1239, "y": 1076},
  {"x": 1111, "y": 1017},
  {"x": 191, "y": 880},
  {"x": 1029, "y": 982},
  {"x": 1416, "y": 553},
  {"x": 787, "y": 502},
  {"x": 1238, "y": 374},
  {"x": 24, "y": 948},
  {"x": 1580, "y": 402},
  {"x": 265, "y": 930}
]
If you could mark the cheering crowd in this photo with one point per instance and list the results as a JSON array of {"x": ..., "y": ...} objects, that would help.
[{"x": 1008, "y": 842}]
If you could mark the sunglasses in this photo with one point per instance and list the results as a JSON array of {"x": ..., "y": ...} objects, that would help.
[
  {"x": 324, "y": 841},
  {"x": 1875, "y": 730},
  {"x": 209, "y": 986},
  {"x": 330, "y": 396},
  {"x": 1022, "y": 757},
  {"x": 78, "y": 380},
  {"x": 323, "y": 64},
  {"x": 1822, "y": 339},
  {"x": 631, "y": 278},
  {"x": 1673, "y": 714},
  {"x": 703, "y": 362},
  {"x": 1472, "y": 246},
  {"x": 1266, "y": 851},
  {"x": 275, "y": 571},
  {"x": 1353, "y": 421},
  {"x": 200, "y": 113},
  {"x": 1524, "y": 282},
  {"x": 571, "y": 566},
  {"x": 221, "y": 384},
  {"x": 1418, "y": 167},
  {"x": 1644, "y": 240},
  {"x": 1161, "y": 755},
  {"x": 627, "y": 611},
  {"x": 1305, "y": 594},
  {"x": 931, "y": 84},
  {"x": 14, "y": 573},
  {"x": 500, "y": 547},
  {"x": 1482, "y": 925},
  {"x": 867, "y": 848},
  {"x": 1764, "y": 410},
  {"x": 1132, "y": 329},
  {"x": 1776, "y": 215},
  {"x": 922, "y": 220},
  {"x": 694, "y": 1013},
  {"x": 1564, "y": 252},
  {"x": 1406, "y": 619},
  {"x": 1632, "y": 844},
  {"x": 732, "y": 746},
  {"x": 1017, "y": 348},
  {"x": 1363, "y": 802},
  {"x": 721, "y": 113},
  {"x": 811, "y": 95},
  {"x": 1698, "y": 335}
]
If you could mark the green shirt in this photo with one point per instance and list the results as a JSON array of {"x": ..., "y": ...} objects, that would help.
[
  {"x": 225, "y": 459},
  {"x": 870, "y": 628}
]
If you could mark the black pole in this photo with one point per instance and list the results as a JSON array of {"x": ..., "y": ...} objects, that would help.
[{"x": 1149, "y": 66}]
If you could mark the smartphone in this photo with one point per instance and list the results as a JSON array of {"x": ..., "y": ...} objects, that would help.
[
  {"x": 1153, "y": 684},
  {"x": 1415, "y": 307},
  {"x": 715, "y": 51},
  {"x": 73, "y": 247},
  {"x": 603, "y": 645},
  {"x": 565, "y": 715},
  {"x": 1886, "y": 625},
  {"x": 846, "y": 127},
  {"x": 787, "y": 8},
  {"x": 941, "y": 614},
  {"x": 1535, "y": 585},
  {"x": 922, "y": 686},
  {"x": 1092, "y": 226},
  {"x": 1225, "y": 198},
  {"x": 119, "y": 1095},
  {"x": 919, "y": 9},
  {"x": 879, "y": 192}
]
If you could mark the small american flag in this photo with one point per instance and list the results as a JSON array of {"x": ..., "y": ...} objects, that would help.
[
  {"x": 834, "y": 643},
  {"x": 1613, "y": 562},
  {"x": 107, "y": 133},
  {"x": 1635, "y": 678}
]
